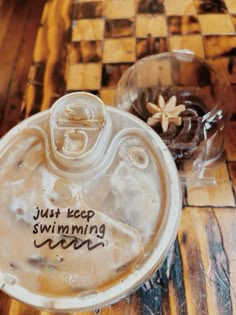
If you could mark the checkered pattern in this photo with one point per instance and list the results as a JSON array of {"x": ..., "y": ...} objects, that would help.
[{"x": 106, "y": 37}]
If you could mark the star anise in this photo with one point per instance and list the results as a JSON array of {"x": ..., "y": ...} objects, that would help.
[{"x": 165, "y": 112}]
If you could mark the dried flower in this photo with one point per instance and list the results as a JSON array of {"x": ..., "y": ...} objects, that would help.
[{"x": 165, "y": 112}]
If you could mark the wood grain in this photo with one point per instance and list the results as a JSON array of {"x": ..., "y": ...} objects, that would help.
[
  {"x": 211, "y": 195},
  {"x": 230, "y": 141},
  {"x": 227, "y": 220},
  {"x": 49, "y": 57},
  {"x": 17, "y": 38},
  {"x": 232, "y": 172},
  {"x": 205, "y": 263}
]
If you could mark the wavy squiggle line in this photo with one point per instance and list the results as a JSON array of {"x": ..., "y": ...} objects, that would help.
[{"x": 76, "y": 242}]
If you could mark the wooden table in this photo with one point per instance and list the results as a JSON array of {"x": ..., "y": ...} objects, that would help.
[{"x": 87, "y": 45}]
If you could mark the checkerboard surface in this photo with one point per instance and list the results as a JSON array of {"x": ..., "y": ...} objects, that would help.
[{"x": 97, "y": 41}]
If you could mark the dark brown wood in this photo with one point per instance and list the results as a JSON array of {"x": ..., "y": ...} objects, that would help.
[{"x": 20, "y": 23}]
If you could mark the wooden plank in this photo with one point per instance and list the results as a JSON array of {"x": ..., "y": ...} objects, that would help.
[
  {"x": 34, "y": 90},
  {"x": 163, "y": 293},
  {"x": 233, "y": 105},
  {"x": 227, "y": 222},
  {"x": 11, "y": 42},
  {"x": 58, "y": 23},
  {"x": 205, "y": 263},
  {"x": 177, "y": 296},
  {"x": 219, "y": 195},
  {"x": 232, "y": 172},
  {"x": 48, "y": 54},
  {"x": 4, "y": 303},
  {"x": 230, "y": 141},
  {"x": 14, "y": 307},
  {"x": 150, "y": 295},
  {"x": 21, "y": 61},
  {"x": 6, "y": 12},
  {"x": 17, "y": 307}
]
